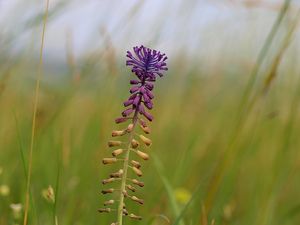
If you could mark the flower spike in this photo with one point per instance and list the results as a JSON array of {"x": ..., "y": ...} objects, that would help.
[{"x": 147, "y": 65}]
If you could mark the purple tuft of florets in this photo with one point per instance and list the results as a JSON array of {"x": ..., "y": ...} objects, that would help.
[{"x": 146, "y": 64}]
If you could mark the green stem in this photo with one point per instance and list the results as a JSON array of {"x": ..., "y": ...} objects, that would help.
[{"x": 125, "y": 169}]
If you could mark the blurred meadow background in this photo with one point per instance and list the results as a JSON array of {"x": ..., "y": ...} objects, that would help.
[{"x": 225, "y": 135}]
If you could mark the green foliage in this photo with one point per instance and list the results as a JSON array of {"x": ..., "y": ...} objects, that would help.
[{"x": 235, "y": 155}]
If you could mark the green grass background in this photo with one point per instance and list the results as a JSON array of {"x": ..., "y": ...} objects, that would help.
[{"x": 225, "y": 139}]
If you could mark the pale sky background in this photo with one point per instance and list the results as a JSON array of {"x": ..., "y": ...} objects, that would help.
[{"x": 175, "y": 26}]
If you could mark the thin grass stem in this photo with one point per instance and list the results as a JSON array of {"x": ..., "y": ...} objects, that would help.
[{"x": 36, "y": 99}]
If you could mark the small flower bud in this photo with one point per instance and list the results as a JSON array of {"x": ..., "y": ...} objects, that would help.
[
  {"x": 137, "y": 171},
  {"x": 127, "y": 112},
  {"x": 135, "y": 217},
  {"x": 148, "y": 116},
  {"x": 143, "y": 122},
  {"x": 134, "y": 81},
  {"x": 136, "y": 182},
  {"x": 134, "y": 143},
  {"x": 143, "y": 155},
  {"x": 121, "y": 120},
  {"x": 147, "y": 141},
  {"x": 104, "y": 210},
  {"x": 116, "y": 133},
  {"x": 108, "y": 191},
  {"x": 134, "y": 89},
  {"x": 146, "y": 129},
  {"x": 135, "y": 164},
  {"x": 114, "y": 143},
  {"x": 117, "y": 174},
  {"x": 117, "y": 152},
  {"x": 131, "y": 188},
  {"x": 109, "y": 202},
  {"x": 125, "y": 194},
  {"x": 140, "y": 201},
  {"x": 107, "y": 181},
  {"x": 129, "y": 128},
  {"x": 125, "y": 212},
  {"x": 109, "y": 160}
]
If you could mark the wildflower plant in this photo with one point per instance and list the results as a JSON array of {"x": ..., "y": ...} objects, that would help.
[{"x": 147, "y": 65}]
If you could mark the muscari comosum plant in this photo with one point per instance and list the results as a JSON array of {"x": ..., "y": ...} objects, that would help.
[{"x": 147, "y": 65}]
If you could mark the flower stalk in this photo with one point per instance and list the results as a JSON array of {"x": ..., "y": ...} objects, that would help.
[
  {"x": 146, "y": 64},
  {"x": 125, "y": 169}
]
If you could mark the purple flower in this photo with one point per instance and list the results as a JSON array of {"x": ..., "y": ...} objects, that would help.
[{"x": 146, "y": 64}]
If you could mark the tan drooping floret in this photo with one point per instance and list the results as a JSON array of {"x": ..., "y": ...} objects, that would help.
[
  {"x": 109, "y": 160},
  {"x": 114, "y": 143},
  {"x": 136, "y": 182},
  {"x": 137, "y": 171},
  {"x": 131, "y": 188},
  {"x": 135, "y": 217},
  {"x": 146, "y": 141},
  {"x": 138, "y": 200},
  {"x": 108, "y": 191},
  {"x": 143, "y": 155},
  {"x": 135, "y": 164},
  {"x": 117, "y": 174},
  {"x": 117, "y": 133},
  {"x": 109, "y": 202},
  {"x": 117, "y": 152},
  {"x": 146, "y": 129},
  {"x": 134, "y": 144}
]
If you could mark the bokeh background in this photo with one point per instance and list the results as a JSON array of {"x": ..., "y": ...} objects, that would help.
[{"x": 225, "y": 135}]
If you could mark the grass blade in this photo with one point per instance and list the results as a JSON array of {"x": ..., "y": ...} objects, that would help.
[
  {"x": 36, "y": 98},
  {"x": 168, "y": 187}
]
